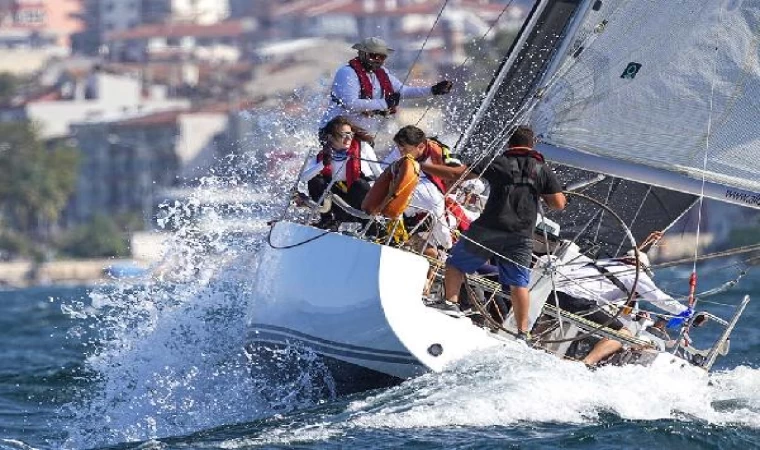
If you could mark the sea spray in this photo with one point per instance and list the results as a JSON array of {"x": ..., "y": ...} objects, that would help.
[
  {"x": 166, "y": 353},
  {"x": 516, "y": 393}
]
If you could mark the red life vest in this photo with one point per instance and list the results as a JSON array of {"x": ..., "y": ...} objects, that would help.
[
  {"x": 524, "y": 151},
  {"x": 452, "y": 206},
  {"x": 434, "y": 152},
  {"x": 365, "y": 90},
  {"x": 353, "y": 165}
]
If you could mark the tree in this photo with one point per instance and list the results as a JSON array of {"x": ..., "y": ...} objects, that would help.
[
  {"x": 100, "y": 238},
  {"x": 9, "y": 86},
  {"x": 37, "y": 182}
]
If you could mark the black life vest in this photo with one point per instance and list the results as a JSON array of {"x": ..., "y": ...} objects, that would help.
[{"x": 513, "y": 205}]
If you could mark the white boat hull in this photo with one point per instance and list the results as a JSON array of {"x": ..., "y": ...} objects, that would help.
[
  {"x": 358, "y": 305},
  {"x": 356, "y": 302}
]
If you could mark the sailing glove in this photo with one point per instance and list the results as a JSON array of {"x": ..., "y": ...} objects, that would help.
[
  {"x": 392, "y": 100},
  {"x": 442, "y": 87}
]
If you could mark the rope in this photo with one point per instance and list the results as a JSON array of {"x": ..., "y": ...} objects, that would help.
[
  {"x": 424, "y": 43},
  {"x": 693, "y": 278},
  {"x": 298, "y": 244},
  {"x": 466, "y": 60}
]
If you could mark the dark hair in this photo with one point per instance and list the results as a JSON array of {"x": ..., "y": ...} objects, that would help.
[
  {"x": 409, "y": 135},
  {"x": 332, "y": 127},
  {"x": 522, "y": 137}
]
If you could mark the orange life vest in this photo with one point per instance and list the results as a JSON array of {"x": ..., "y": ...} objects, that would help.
[{"x": 392, "y": 191}]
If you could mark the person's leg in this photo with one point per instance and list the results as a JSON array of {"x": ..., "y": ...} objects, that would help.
[
  {"x": 591, "y": 311},
  {"x": 417, "y": 244},
  {"x": 432, "y": 253},
  {"x": 515, "y": 273},
  {"x": 604, "y": 348},
  {"x": 452, "y": 282},
  {"x": 460, "y": 261},
  {"x": 317, "y": 186},
  {"x": 517, "y": 277},
  {"x": 357, "y": 192},
  {"x": 520, "y": 296}
]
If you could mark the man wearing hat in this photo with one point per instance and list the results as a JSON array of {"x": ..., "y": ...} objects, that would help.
[{"x": 365, "y": 91}]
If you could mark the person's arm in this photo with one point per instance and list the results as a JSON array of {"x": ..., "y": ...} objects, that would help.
[
  {"x": 346, "y": 91},
  {"x": 408, "y": 91},
  {"x": 446, "y": 172},
  {"x": 311, "y": 171},
  {"x": 555, "y": 201},
  {"x": 651, "y": 293},
  {"x": 552, "y": 191},
  {"x": 370, "y": 157}
]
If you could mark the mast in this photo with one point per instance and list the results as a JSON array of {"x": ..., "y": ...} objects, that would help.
[{"x": 520, "y": 71}]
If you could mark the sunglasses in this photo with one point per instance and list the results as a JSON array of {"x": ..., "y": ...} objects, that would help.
[
  {"x": 377, "y": 56},
  {"x": 344, "y": 135}
]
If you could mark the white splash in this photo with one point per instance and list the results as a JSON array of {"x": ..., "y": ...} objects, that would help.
[
  {"x": 518, "y": 385},
  {"x": 167, "y": 352}
]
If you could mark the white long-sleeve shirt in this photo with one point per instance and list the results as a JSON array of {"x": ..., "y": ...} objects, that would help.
[
  {"x": 346, "y": 89},
  {"x": 579, "y": 279},
  {"x": 369, "y": 165}
]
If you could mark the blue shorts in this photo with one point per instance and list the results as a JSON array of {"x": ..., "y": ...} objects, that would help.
[{"x": 510, "y": 274}]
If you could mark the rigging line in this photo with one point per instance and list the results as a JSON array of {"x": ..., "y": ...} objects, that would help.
[
  {"x": 424, "y": 43},
  {"x": 467, "y": 59},
  {"x": 635, "y": 216},
  {"x": 731, "y": 252},
  {"x": 693, "y": 280},
  {"x": 528, "y": 106},
  {"x": 610, "y": 190},
  {"x": 419, "y": 53}
]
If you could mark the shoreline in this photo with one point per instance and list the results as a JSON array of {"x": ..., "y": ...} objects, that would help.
[{"x": 23, "y": 274}]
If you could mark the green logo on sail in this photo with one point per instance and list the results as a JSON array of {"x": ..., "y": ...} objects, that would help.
[{"x": 631, "y": 70}]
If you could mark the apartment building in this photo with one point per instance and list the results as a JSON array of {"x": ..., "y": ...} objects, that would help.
[{"x": 38, "y": 23}]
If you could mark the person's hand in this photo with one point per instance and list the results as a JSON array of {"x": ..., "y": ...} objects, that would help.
[
  {"x": 393, "y": 100},
  {"x": 327, "y": 156},
  {"x": 442, "y": 87},
  {"x": 299, "y": 198},
  {"x": 699, "y": 320},
  {"x": 680, "y": 318}
]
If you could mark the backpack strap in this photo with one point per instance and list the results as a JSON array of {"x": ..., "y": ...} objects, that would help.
[{"x": 527, "y": 175}]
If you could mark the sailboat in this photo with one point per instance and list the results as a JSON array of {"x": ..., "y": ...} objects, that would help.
[{"x": 645, "y": 108}]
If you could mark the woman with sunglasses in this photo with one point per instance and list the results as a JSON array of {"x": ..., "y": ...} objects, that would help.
[
  {"x": 366, "y": 92},
  {"x": 346, "y": 163}
]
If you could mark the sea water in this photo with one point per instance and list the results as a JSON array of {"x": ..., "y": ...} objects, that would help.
[
  {"x": 160, "y": 363},
  {"x": 80, "y": 372}
]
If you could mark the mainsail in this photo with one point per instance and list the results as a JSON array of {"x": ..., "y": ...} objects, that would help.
[
  {"x": 659, "y": 92},
  {"x": 659, "y": 96}
]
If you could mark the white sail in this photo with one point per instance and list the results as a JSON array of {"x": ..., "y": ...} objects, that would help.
[{"x": 647, "y": 86}]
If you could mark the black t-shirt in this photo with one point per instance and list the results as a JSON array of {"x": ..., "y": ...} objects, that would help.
[{"x": 516, "y": 183}]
